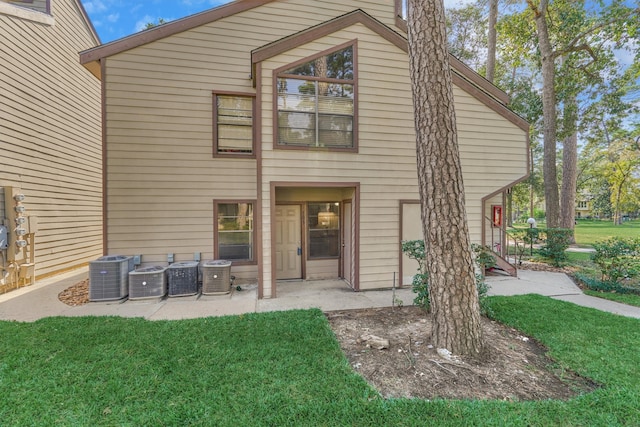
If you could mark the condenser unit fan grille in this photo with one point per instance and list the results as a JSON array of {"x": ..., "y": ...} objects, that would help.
[
  {"x": 108, "y": 277},
  {"x": 216, "y": 277},
  {"x": 182, "y": 278},
  {"x": 147, "y": 282}
]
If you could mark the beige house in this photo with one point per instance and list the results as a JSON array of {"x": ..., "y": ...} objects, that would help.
[
  {"x": 279, "y": 135},
  {"x": 50, "y": 143}
]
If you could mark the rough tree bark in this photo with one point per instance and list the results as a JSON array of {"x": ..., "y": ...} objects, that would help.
[
  {"x": 492, "y": 40},
  {"x": 452, "y": 290},
  {"x": 549, "y": 169},
  {"x": 569, "y": 173}
]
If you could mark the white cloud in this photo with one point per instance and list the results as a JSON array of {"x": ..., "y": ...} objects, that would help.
[
  {"x": 113, "y": 18},
  {"x": 94, "y": 6},
  {"x": 142, "y": 22}
]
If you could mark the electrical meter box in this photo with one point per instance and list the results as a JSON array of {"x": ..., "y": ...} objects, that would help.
[{"x": 4, "y": 237}]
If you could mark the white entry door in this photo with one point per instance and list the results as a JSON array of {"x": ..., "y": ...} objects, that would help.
[{"x": 288, "y": 237}]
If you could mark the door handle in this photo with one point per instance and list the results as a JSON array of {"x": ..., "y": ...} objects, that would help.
[{"x": 299, "y": 251}]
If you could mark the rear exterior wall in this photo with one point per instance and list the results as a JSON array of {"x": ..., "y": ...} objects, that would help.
[{"x": 50, "y": 132}]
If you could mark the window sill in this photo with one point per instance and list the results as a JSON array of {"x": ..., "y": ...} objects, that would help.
[
  {"x": 316, "y": 149},
  {"x": 27, "y": 14}
]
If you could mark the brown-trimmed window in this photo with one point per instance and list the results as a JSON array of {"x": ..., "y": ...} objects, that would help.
[
  {"x": 234, "y": 231},
  {"x": 324, "y": 230},
  {"x": 233, "y": 128},
  {"x": 316, "y": 102},
  {"x": 43, "y": 6}
]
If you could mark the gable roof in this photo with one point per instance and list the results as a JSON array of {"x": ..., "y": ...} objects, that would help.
[{"x": 462, "y": 75}]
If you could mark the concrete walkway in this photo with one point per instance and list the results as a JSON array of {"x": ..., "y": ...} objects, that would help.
[{"x": 41, "y": 300}]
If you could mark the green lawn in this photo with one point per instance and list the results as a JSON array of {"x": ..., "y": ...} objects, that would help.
[
  {"x": 630, "y": 299},
  {"x": 286, "y": 368},
  {"x": 587, "y": 232}
]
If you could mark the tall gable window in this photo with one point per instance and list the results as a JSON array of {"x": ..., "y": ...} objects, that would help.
[{"x": 316, "y": 102}]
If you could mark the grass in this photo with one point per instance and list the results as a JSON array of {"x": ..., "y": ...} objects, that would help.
[
  {"x": 629, "y": 299},
  {"x": 588, "y": 232},
  {"x": 285, "y": 368}
]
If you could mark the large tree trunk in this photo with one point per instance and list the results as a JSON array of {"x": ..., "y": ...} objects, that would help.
[
  {"x": 569, "y": 172},
  {"x": 452, "y": 290},
  {"x": 492, "y": 40},
  {"x": 549, "y": 170}
]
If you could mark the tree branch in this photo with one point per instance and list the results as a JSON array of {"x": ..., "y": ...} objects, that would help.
[{"x": 571, "y": 46}]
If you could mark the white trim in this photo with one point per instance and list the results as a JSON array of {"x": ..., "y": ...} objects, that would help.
[{"x": 28, "y": 14}]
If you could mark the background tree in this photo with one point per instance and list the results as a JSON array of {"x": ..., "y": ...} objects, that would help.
[{"x": 452, "y": 290}]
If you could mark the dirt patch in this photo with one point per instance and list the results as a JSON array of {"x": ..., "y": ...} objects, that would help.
[
  {"x": 514, "y": 366},
  {"x": 75, "y": 295}
]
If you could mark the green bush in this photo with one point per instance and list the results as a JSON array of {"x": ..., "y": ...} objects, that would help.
[
  {"x": 618, "y": 258},
  {"x": 556, "y": 243},
  {"x": 595, "y": 284},
  {"x": 415, "y": 249}
]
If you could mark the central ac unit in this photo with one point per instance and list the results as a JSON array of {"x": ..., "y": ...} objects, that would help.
[
  {"x": 216, "y": 277},
  {"x": 108, "y": 277},
  {"x": 147, "y": 282},
  {"x": 182, "y": 278}
]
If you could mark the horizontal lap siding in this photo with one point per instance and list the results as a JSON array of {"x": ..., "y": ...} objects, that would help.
[
  {"x": 50, "y": 134},
  {"x": 493, "y": 151},
  {"x": 162, "y": 178}
]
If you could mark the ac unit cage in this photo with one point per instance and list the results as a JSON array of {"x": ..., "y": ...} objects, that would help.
[
  {"x": 148, "y": 282},
  {"x": 182, "y": 278},
  {"x": 108, "y": 277},
  {"x": 216, "y": 277}
]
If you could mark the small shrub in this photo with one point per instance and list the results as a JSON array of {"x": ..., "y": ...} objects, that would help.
[
  {"x": 557, "y": 242},
  {"x": 483, "y": 256},
  {"x": 595, "y": 284},
  {"x": 415, "y": 249},
  {"x": 617, "y": 258}
]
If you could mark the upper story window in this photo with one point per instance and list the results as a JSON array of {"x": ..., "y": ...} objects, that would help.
[
  {"x": 37, "y": 5},
  {"x": 316, "y": 102},
  {"x": 233, "y": 130}
]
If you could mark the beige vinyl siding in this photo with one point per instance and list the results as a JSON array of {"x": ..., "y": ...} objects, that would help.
[
  {"x": 493, "y": 150},
  {"x": 162, "y": 179},
  {"x": 159, "y": 135},
  {"x": 50, "y": 134},
  {"x": 322, "y": 269}
]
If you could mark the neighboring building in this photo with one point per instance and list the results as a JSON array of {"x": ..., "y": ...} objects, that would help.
[
  {"x": 583, "y": 208},
  {"x": 50, "y": 140},
  {"x": 280, "y": 135}
]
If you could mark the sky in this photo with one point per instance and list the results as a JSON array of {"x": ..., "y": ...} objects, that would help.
[{"x": 114, "y": 19}]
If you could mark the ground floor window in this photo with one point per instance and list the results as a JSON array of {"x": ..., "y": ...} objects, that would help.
[
  {"x": 234, "y": 231},
  {"x": 324, "y": 230}
]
